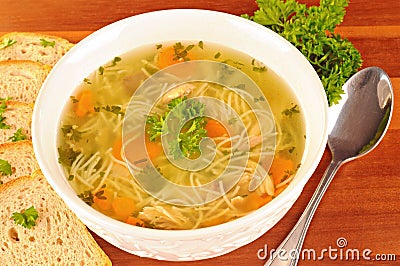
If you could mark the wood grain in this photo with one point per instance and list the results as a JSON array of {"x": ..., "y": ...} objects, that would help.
[{"x": 362, "y": 203}]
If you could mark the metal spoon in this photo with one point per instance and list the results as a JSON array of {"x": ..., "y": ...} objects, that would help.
[{"x": 361, "y": 124}]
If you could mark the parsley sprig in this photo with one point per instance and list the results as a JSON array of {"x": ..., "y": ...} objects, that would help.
[
  {"x": 5, "y": 167},
  {"x": 87, "y": 197},
  {"x": 292, "y": 110},
  {"x": 66, "y": 155},
  {"x": 7, "y": 42},
  {"x": 26, "y": 218},
  {"x": 113, "y": 64},
  {"x": 71, "y": 132},
  {"x": 115, "y": 109},
  {"x": 46, "y": 43},
  {"x": 311, "y": 30},
  {"x": 181, "y": 52},
  {"x": 3, "y": 107},
  {"x": 192, "y": 133},
  {"x": 18, "y": 136}
]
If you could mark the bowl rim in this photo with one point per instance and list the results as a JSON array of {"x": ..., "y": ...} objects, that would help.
[{"x": 79, "y": 206}]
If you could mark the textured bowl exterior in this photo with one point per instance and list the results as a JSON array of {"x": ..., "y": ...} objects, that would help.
[
  {"x": 172, "y": 25},
  {"x": 190, "y": 249}
]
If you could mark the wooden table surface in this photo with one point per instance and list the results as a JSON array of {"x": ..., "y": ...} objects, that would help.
[{"x": 361, "y": 205}]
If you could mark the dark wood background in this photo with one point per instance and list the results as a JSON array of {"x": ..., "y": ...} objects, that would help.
[{"x": 363, "y": 202}]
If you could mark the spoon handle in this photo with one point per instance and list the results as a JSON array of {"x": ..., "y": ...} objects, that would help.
[{"x": 289, "y": 251}]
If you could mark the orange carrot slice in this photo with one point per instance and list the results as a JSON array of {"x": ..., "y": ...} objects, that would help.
[{"x": 84, "y": 104}]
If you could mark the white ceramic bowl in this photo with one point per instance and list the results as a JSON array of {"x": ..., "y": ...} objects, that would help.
[{"x": 171, "y": 25}]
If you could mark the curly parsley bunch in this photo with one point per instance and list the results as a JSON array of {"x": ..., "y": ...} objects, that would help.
[{"x": 311, "y": 30}]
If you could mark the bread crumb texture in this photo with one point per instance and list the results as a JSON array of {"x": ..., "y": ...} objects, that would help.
[
  {"x": 58, "y": 238},
  {"x": 45, "y": 49}
]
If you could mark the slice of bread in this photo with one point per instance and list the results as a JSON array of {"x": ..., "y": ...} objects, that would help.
[
  {"x": 17, "y": 115},
  {"x": 41, "y": 48},
  {"x": 58, "y": 238},
  {"x": 22, "y": 79},
  {"x": 21, "y": 157}
]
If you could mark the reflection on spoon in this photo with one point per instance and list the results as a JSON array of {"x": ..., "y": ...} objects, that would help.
[{"x": 362, "y": 123}]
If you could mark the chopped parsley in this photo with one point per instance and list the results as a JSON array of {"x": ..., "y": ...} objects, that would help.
[
  {"x": 3, "y": 107},
  {"x": 113, "y": 64},
  {"x": 46, "y": 43},
  {"x": 7, "y": 43},
  {"x": 200, "y": 44},
  {"x": 5, "y": 167},
  {"x": 181, "y": 52},
  {"x": 311, "y": 29},
  {"x": 100, "y": 195},
  {"x": 259, "y": 99},
  {"x": 217, "y": 55},
  {"x": 115, "y": 61},
  {"x": 115, "y": 109},
  {"x": 87, "y": 81},
  {"x": 73, "y": 99},
  {"x": 258, "y": 66},
  {"x": 18, "y": 136},
  {"x": 193, "y": 131},
  {"x": 158, "y": 46},
  {"x": 71, "y": 132},
  {"x": 290, "y": 111},
  {"x": 87, "y": 197},
  {"x": 66, "y": 156},
  {"x": 101, "y": 70},
  {"x": 26, "y": 218}
]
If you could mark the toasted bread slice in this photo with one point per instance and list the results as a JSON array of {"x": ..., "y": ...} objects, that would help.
[
  {"x": 21, "y": 80},
  {"x": 21, "y": 157},
  {"x": 16, "y": 116},
  {"x": 57, "y": 238},
  {"x": 41, "y": 48}
]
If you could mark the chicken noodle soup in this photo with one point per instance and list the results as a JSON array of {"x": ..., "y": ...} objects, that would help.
[
  {"x": 109, "y": 158},
  {"x": 209, "y": 130}
]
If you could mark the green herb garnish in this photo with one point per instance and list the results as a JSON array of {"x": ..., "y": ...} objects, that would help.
[
  {"x": 201, "y": 45},
  {"x": 258, "y": 66},
  {"x": 7, "y": 43},
  {"x": 100, "y": 195},
  {"x": 18, "y": 135},
  {"x": 115, "y": 61},
  {"x": 217, "y": 55},
  {"x": 181, "y": 52},
  {"x": 66, "y": 156},
  {"x": 27, "y": 218},
  {"x": 101, "y": 70},
  {"x": 87, "y": 81},
  {"x": 158, "y": 46},
  {"x": 290, "y": 111},
  {"x": 46, "y": 43},
  {"x": 113, "y": 109},
  {"x": 311, "y": 30},
  {"x": 73, "y": 99},
  {"x": 5, "y": 167},
  {"x": 71, "y": 132},
  {"x": 87, "y": 197},
  {"x": 192, "y": 132},
  {"x": 3, "y": 107}
]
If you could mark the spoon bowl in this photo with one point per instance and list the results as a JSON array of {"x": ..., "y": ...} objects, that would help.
[
  {"x": 365, "y": 115},
  {"x": 362, "y": 122}
]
